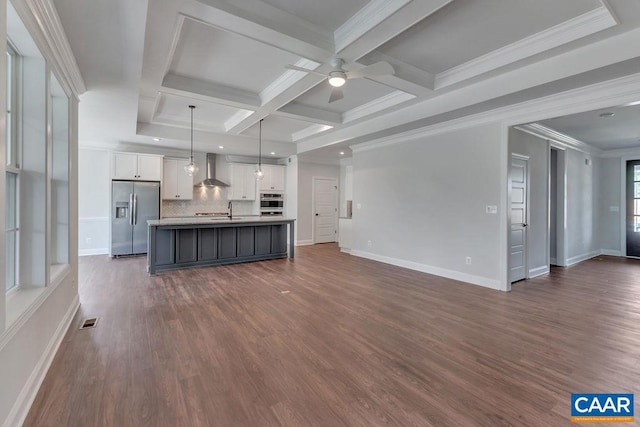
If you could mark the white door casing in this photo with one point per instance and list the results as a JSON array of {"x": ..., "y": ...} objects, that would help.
[
  {"x": 518, "y": 178},
  {"x": 325, "y": 209}
]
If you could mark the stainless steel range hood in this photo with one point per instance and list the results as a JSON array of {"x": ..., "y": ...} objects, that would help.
[{"x": 211, "y": 180}]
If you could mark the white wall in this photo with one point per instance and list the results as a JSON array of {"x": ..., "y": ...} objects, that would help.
[
  {"x": 93, "y": 201},
  {"x": 537, "y": 150},
  {"x": 306, "y": 172},
  {"x": 423, "y": 204}
]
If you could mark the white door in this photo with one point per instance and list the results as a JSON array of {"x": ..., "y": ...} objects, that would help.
[
  {"x": 325, "y": 209},
  {"x": 518, "y": 243}
]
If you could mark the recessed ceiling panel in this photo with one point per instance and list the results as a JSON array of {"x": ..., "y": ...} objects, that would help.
[
  {"x": 356, "y": 92},
  {"x": 277, "y": 128},
  {"x": 208, "y": 54},
  {"x": 466, "y": 29},
  {"x": 328, "y": 14},
  {"x": 622, "y": 130},
  {"x": 174, "y": 110}
]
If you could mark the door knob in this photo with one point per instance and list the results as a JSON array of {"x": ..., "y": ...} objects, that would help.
[
  {"x": 316, "y": 214},
  {"x": 524, "y": 225}
]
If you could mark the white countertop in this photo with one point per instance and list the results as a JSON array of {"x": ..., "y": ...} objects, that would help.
[{"x": 199, "y": 220}]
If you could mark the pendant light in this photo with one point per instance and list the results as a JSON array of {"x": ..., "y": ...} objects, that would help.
[
  {"x": 259, "y": 174},
  {"x": 191, "y": 169}
]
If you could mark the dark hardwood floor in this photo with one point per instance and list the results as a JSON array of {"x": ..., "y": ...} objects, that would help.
[{"x": 352, "y": 343}]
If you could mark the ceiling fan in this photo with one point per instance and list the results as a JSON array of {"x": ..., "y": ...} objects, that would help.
[{"x": 337, "y": 77}]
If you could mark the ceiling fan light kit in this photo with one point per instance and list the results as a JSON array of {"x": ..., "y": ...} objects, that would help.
[{"x": 337, "y": 77}]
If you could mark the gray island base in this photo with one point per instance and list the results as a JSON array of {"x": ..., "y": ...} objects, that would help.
[{"x": 182, "y": 243}]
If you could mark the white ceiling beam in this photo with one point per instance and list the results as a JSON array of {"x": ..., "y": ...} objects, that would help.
[
  {"x": 309, "y": 114},
  {"x": 260, "y": 21},
  {"x": 380, "y": 21},
  {"x": 210, "y": 92},
  {"x": 406, "y": 78}
]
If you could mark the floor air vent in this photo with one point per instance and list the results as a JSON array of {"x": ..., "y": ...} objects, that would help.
[{"x": 89, "y": 323}]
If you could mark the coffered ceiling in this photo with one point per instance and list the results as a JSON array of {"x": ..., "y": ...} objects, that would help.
[{"x": 229, "y": 58}]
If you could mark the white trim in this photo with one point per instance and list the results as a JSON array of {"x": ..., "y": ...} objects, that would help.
[
  {"x": 96, "y": 251},
  {"x": 22, "y": 405},
  {"x": 600, "y": 95},
  {"x": 449, "y": 274},
  {"x": 382, "y": 103},
  {"x": 623, "y": 152},
  {"x": 560, "y": 139},
  {"x": 610, "y": 252},
  {"x": 309, "y": 131},
  {"x": 583, "y": 257},
  {"x": 58, "y": 45},
  {"x": 345, "y": 250},
  {"x": 552, "y": 261},
  {"x": 286, "y": 80},
  {"x": 304, "y": 242},
  {"x": 366, "y": 18},
  {"x": 538, "y": 271},
  {"x": 586, "y": 24}
]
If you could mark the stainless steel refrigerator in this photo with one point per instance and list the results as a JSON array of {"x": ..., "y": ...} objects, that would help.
[{"x": 133, "y": 203}]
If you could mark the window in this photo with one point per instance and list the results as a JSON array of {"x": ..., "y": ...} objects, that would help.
[
  {"x": 12, "y": 174},
  {"x": 636, "y": 198}
]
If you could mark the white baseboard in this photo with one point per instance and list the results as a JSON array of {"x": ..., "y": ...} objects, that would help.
[
  {"x": 450, "y": 274},
  {"x": 304, "y": 242},
  {"x": 98, "y": 251},
  {"x": 538, "y": 271},
  {"x": 27, "y": 395},
  {"x": 579, "y": 258},
  {"x": 345, "y": 250},
  {"x": 611, "y": 252}
]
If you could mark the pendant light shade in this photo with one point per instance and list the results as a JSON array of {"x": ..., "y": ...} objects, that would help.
[
  {"x": 191, "y": 169},
  {"x": 259, "y": 174}
]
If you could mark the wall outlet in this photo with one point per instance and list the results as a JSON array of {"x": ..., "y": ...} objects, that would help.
[
  {"x": 492, "y": 209},
  {"x": 467, "y": 260},
  {"x": 369, "y": 244}
]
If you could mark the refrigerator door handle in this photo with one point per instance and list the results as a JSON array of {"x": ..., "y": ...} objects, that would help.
[
  {"x": 135, "y": 209},
  {"x": 131, "y": 209}
]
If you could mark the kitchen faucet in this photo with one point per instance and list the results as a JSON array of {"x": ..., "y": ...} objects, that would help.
[{"x": 230, "y": 207}]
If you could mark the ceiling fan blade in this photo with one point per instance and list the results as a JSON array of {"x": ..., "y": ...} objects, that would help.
[
  {"x": 378, "y": 69},
  {"x": 305, "y": 70},
  {"x": 336, "y": 94}
]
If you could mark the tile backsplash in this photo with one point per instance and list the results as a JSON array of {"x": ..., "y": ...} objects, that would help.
[{"x": 207, "y": 199}]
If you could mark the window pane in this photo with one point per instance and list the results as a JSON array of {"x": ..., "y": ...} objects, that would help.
[
  {"x": 636, "y": 173},
  {"x": 11, "y": 202},
  {"x": 636, "y": 190},
  {"x": 636, "y": 207},
  {"x": 636, "y": 224},
  {"x": 8, "y": 128},
  {"x": 59, "y": 175},
  {"x": 10, "y": 275},
  {"x": 11, "y": 209}
]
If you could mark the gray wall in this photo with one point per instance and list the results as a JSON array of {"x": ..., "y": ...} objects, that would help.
[
  {"x": 538, "y": 225},
  {"x": 582, "y": 206},
  {"x": 93, "y": 201},
  {"x": 423, "y": 203},
  {"x": 306, "y": 172},
  {"x": 610, "y": 200},
  {"x": 553, "y": 205}
]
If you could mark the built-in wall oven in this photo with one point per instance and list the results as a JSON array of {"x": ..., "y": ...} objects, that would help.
[{"x": 271, "y": 204}]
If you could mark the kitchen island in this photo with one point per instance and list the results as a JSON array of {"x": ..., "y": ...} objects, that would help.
[{"x": 192, "y": 242}]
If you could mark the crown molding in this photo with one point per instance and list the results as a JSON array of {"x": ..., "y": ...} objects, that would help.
[
  {"x": 559, "y": 138},
  {"x": 64, "y": 62},
  {"x": 308, "y": 131},
  {"x": 586, "y": 24},
  {"x": 366, "y": 18},
  {"x": 612, "y": 92},
  {"x": 379, "y": 104},
  {"x": 622, "y": 152}
]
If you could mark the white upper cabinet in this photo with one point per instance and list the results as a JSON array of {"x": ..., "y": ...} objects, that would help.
[
  {"x": 274, "y": 178},
  {"x": 143, "y": 167},
  {"x": 176, "y": 184},
  {"x": 242, "y": 182}
]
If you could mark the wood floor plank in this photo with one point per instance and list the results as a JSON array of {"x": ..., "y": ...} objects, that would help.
[{"x": 352, "y": 343}]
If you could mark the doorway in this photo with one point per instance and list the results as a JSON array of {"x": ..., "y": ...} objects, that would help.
[
  {"x": 325, "y": 210},
  {"x": 557, "y": 206},
  {"x": 633, "y": 208},
  {"x": 519, "y": 188}
]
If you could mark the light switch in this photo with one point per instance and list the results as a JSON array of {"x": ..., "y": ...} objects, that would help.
[{"x": 492, "y": 209}]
